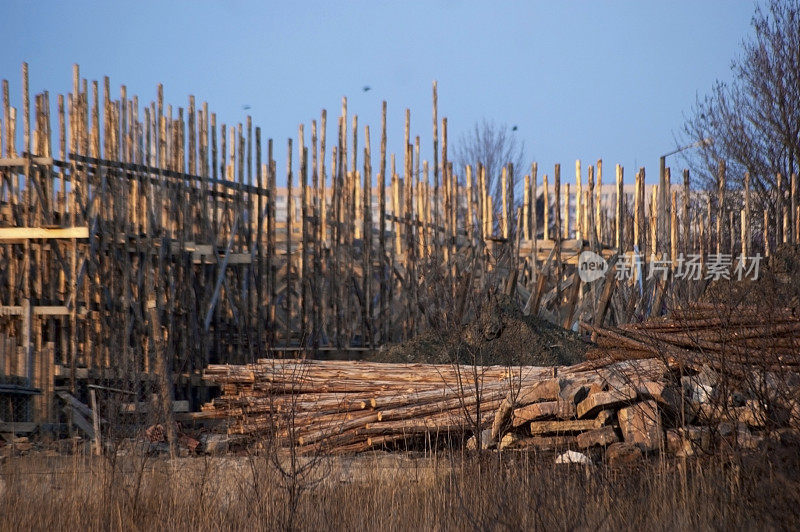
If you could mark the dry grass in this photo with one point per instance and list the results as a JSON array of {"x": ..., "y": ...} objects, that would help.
[{"x": 369, "y": 492}]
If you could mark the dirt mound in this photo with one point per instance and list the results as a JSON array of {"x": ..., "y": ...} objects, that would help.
[{"x": 501, "y": 335}]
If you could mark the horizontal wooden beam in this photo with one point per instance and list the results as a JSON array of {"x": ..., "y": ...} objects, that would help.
[
  {"x": 15, "y": 389},
  {"x": 44, "y": 310},
  {"x": 7, "y": 162},
  {"x": 144, "y": 408},
  {"x": 27, "y": 233},
  {"x": 17, "y": 428}
]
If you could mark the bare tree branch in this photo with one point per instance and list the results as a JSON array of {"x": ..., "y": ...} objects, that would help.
[{"x": 755, "y": 120}]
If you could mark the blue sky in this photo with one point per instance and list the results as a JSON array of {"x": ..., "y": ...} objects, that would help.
[{"x": 579, "y": 79}]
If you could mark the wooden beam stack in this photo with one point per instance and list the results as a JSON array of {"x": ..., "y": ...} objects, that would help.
[{"x": 726, "y": 338}]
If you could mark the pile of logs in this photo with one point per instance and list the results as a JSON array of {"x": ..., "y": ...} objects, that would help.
[
  {"x": 352, "y": 406},
  {"x": 673, "y": 384},
  {"x": 728, "y": 339}
]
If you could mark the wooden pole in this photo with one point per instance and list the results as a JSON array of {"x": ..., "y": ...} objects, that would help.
[
  {"x": 685, "y": 215},
  {"x": 743, "y": 232},
  {"x": 779, "y": 210},
  {"x": 366, "y": 245},
  {"x": 673, "y": 233},
  {"x": 566, "y": 211},
  {"x": 579, "y": 233},
  {"x": 746, "y": 245},
  {"x": 720, "y": 205},
  {"x": 384, "y": 264},
  {"x": 591, "y": 221},
  {"x": 638, "y": 210},
  {"x": 619, "y": 238},
  {"x": 546, "y": 212},
  {"x": 793, "y": 206},
  {"x": 557, "y": 244},
  {"x": 599, "y": 203},
  {"x": 526, "y": 209},
  {"x": 504, "y": 193}
]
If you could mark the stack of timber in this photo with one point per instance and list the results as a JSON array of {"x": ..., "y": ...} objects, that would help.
[
  {"x": 342, "y": 406},
  {"x": 728, "y": 339},
  {"x": 645, "y": 390}
]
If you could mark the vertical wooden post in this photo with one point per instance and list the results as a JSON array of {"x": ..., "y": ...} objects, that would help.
[
  {"x": 620, "y": 226},
  {"x": 685, "y": 214},
  {"x": 567, "y": 203},
  {"x": 366, "y": 246},
  {"x": 384, "y": 267},
  {"x": 766, "y": 233},
  {"x": 436, "y": 218},
  {"x": 526, "y": 209},
  {"x": 289, "y": 230},
  {"x": 785, "y": 225},
  {"x": 534, "y": 195},
  {"x": 638, "y": 210},
  {"x": 746, "y": 216},
  {"x": 429, "y": 234},
  {"x": 546, "y": 212},
  {"x": 486, "y": 215},
  {"x": 779, "y": 210},
  {"x": 673, "y": 233},
  {"x": 720, "y": 205},
  {"x": 323, "y": 190},
  {"x": 27, "y": 349},
  {"x": 793, "y": 206},
  {"x": 589, "y": 208},
  {"x": 504, "y": 195},
  {"x": 534, "y": 222},
  {"x": 599, "y": 203},
  {"x": 396, "y": 211},
  {"x": 303, "y": 276},
  {"x": 97, "y": 444},
  {"x": 743, "y": 233},
  {"x": 8, "y": 120},
  {"x": 470, "y": 225},
  {"x": 654, "y": 221},
  {"x": 26, "y": 111},
  {"x": 708, "y": 230},
  {"x": 557, "y": 244},
  {"x": 418, "y": 192},
  {"x": 579, "y": 233}
]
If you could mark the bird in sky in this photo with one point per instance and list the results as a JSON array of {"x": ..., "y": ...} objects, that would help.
[
  {"x": 514, "y": 128},
  {"x": 366, "y": 88},
  {"x": 246, "y": 107}
]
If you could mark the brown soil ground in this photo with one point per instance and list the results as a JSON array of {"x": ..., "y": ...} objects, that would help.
[{"x": 501, "y": 335}]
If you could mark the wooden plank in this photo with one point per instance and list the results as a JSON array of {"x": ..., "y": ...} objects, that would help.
[
  {"x": 17, "y": 427},
  {"x": 20, "y": 162},
  {"x": 55, "y": 310},
  {"x": 27, "y": 233},
  {"x": 539, "y": 428},
  {"x": 74, "y": 403},
  {"x": 142, "y": 407},
  {"x": 79, "y": 421}
]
